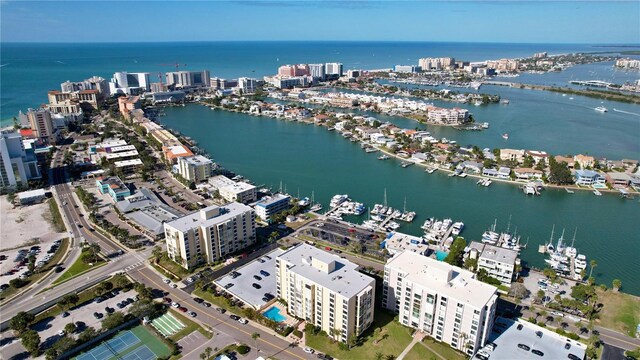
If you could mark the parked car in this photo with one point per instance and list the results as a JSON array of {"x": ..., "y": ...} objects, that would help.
[
  {"x": 65, "y": 314},
  {"x": 206, "y": 304},
  {"x": 257, "y": 277},
  {"x": 182, "y": 308},
  {"x": 198, "y": 300},
  {"x": 524, "y": 347},
  {"x": 243, "y": 321},
  {"x": 257, "y": 286},
  {"x": 228, "y": 286},
  {"x": 537, "y": 352},
  {"x": 222, "y": 311},
  {"x": 97, "y": 315},
  {"x": 264, "y": 273},
  {"x": 234, "y": 317},
  {"x": 192, "y": 314},
  {"x": 308, "y": 350}
]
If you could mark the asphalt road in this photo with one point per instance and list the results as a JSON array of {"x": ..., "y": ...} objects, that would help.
[{"x": 269, "y": 344}]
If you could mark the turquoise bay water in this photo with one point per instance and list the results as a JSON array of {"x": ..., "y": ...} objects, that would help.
[
  {"x": 274, "y": 314},
  {"x": 310, "y": 159}
]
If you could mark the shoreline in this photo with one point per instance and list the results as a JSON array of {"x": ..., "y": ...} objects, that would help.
[{"x": 426, "y": 165}]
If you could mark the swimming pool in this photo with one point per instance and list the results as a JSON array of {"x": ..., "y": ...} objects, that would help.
[
  {"x": 274, "y": 314},
  {"x": 441, "y": 255}
]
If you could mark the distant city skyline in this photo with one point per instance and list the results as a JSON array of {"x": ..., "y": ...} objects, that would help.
[{"x": 605, "y": 22}]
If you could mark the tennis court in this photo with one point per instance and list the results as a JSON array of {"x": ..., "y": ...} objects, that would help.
[
  {"x": 167, "y": 324},
  {"x": 135, "y": 344}
]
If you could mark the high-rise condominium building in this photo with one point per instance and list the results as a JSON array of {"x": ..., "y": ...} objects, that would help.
[
  {"x": 210, "y": 234},
  {"x": 444, "y": 301},
  {"x": 325, "y": 290}
]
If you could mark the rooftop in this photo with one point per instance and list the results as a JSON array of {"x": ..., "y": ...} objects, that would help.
[
  {"x": 551, "y": 344},
  {"x": 131, "y": 162},
  {"x": 399, "y": 242},
  {"x": 209, "y": 216},
  {"x": 114, "y": 183},
  {"x": 220, "y": 181},
  {"x": 237, "y": 187},
  {"x": 268, "y": 200},
  {"x": 197, "y": 160},
  {"x": 499, "y": 254},
  {"x": 327, "y": 270},
  {"x": 443, "y": 278}
]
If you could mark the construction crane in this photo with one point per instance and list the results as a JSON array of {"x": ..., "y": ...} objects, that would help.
[{"x": 176, "y": 65}]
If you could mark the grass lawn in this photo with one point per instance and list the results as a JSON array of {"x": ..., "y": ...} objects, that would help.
[
  {"x": 77, "y": 268},
  {"x": 621, "y": 311},
  {"x": 56, "y": 218},
  {"x": 443, "y": 349},
  {"x": 396, "y": 339},
  {"x": 174, "y": 268},
  {"x": 218, "y": 301},
  {"x": 190, "y": 327},
  {"x": 420, "y": 352},
  {"x": 55, "y": 259}
]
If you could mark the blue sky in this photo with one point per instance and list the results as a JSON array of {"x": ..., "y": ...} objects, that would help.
[{"x": 469, "y": 21}]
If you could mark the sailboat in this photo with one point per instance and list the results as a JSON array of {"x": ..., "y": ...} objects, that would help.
[
  {"x": 314, "y": 207},
  {"x": 572, "y": 251}
]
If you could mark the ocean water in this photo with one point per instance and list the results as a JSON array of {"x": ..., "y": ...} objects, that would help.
[{"x": 28, "y": 71}]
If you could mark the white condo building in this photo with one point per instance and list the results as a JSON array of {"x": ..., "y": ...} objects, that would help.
[
  {"x": 499, "y": 262},
  {"x": 16, "y": 164},
  {"x": 333, "y": 69},
  {"x": 317, "y": 71},
  {"x": 195, "y": 168},
  {"x": 129, "y": 83},
  {"x": 444, "y": 301},
  {"x": 184, "y": 79},
  {"x": 247, "y": 85},
  {"x": 325, "y": 290},
  {"x": 210, "y": 234}
]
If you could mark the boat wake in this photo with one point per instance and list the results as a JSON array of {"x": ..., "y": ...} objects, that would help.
[
  {"x": 626, "y": 112},
  {"x": 60, "y": 62},
  {"x": 3, "y": 65}
]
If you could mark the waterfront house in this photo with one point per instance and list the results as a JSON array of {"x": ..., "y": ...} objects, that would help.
[
  {"x": 490, "y": 172},
  {"x": 527, "y": 174},
  {"x": 472, "y": 167},
  {"x": 589, "y": 178},
  {"x": 320, "y": 118},
  {"x": 499, "y": 262},
  {"x": 538, "y": 156},
  {"x": 486, "y": 152},
  {"x": 504, "y": 173},
  {"x": 419, "y": 157},
  {"x": 512, "y": 155},
  {"x": 618, "y": 179},
  {"x": 584, "y": 160},
  {"x": 630, "y": 164},
  {"x": 568, "y": 160},
  {"x": 271, "y": 205}
]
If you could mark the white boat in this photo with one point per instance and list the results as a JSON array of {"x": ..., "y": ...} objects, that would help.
[
  {"x": 337, "y": 200},
  {"x": 463, "y": 175},
  {"x": 596, "y": 192},
  {"x": 427, "y": 224},
  {"x": 383, "y": 157},
  {"x": 487, "y": 182},
  {"x": 304, "y": 202},
  {"x": 601, "y": 109},
  {"x": 505, "y": 136},
  {"x": 316, "y": 207},
  {"x": 457, "y": 228}
]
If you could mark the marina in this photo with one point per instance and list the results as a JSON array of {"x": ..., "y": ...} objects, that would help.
[{"x": 565, "y": 260}]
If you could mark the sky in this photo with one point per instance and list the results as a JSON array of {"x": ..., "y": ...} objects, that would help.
[{"x": 593, "y": 22}]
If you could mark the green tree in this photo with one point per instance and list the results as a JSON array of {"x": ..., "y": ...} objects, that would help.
[
  {"x": 356, "y": 247},
  {"x": 617, "y": 284},
  {"x": 352, "y": 340},
  {"x": 113, "y": 320},
  {"x": 208, "y": 351},
  {"x": 255, "y": 336},
  {"x": 31, "y": 341},
  {"x": 471, "y": 263},
  {"x": 592, "y": 264},
  {"x": 64, "y": 344},
  {"x": 518, "y": 291},
  {"x": 378, "y": 356},
  {"x": 456, "y": 251},
  {"x": 559, "y": 173},
  {"x": 21, "y": 321},
  {"x": 87, "y": 334},
  {"x": 157, "y": 252},
  {"x": 70, "y": 328},
  {"x": 31, "y": 266}
]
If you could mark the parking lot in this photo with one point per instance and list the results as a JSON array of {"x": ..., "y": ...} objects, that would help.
[
  {"x": 343, "y": 234},
  {"x": 14, "y": 264},
  {"x": 250, "y": 274},
  {"x": 48, "y": 329},
  {"x": 519, "y": 340},
  {"x": 531, "y": 283}
]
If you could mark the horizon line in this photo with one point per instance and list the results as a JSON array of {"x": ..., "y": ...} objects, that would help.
[{"x": 595, "y": 44}]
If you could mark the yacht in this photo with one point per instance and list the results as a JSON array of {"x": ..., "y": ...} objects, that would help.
[
  {"x": 457, "y": 228},
  {"x": 316, "y": 207},
  {"x": 505, "y": 136},
  {"x": 601, "y": 109},
  {"x": 304, "y": 202},
  {"x": 337, "y": 200},
  {"x": 596, "y": 192},
  {"x": 427, "y": 224},
  {"x": 383, "y": 157}
]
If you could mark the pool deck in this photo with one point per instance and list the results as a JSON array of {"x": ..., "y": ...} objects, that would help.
[{"x": 288, "y": 320}]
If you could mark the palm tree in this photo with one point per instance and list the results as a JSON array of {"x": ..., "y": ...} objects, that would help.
[
  {"x": 378, "y": 356},
  {"x": 593, "y": 264},
  {"x": 617, "y": 284},
  {"x": 255, "y": 336},
  {"x": 208, "y": 351}
]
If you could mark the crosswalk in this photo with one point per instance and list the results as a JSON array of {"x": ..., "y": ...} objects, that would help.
[{"x": 133, "y": 266}]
